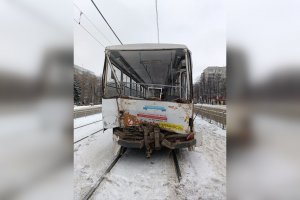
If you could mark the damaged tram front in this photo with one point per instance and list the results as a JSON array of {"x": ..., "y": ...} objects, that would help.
[{"x": 148, "y": 96}]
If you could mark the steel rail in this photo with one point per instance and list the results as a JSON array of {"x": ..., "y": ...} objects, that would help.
[
  {"x": 177, "y": 168},
  {"x": 88, "y": 124},
  {"x": 94, "y": 188},
  {"x": 87, "y": 136}
]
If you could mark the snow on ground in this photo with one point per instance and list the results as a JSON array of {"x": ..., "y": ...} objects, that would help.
[
  {"x": 91, "y": 158},
  {"x": 88, "y": 119},
  {"x": 213, "y": 144},
  {"x": 91, "y": 154},
  {"x": 87, "y": 130},
  {"x": 135, "y": 177},
  {"x": 204, "y": 169},
  {"x": 212, "y": 106},
  {"x": 86, "y": 107},
  {"x": 84, "y": 131}
]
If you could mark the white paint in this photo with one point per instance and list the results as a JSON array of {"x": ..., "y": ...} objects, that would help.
[
  {"x": 173, "y": 113},
  {"x": 110, "y": 113}
]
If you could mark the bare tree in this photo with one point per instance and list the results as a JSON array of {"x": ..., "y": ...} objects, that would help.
[
  {"x": 210, "y": 88},
  {"x": 91, "y": 87}
]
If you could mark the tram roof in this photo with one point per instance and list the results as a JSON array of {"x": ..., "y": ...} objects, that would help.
[{"x": 146, "y": 46}]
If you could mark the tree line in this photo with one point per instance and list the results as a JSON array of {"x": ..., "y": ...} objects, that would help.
[
  {"x": 87, "y": 88},
  {"x": 210, "y": 89}
]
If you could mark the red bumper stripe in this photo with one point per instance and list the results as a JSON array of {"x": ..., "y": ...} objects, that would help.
[{"x": 152, "y": 116}]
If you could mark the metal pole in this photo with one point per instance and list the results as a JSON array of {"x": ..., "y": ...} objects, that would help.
[{"x": 157, "y": 27}]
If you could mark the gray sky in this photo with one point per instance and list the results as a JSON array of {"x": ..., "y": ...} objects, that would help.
[
  {"x": 268, "y": 33},
  {"x": 198, "y": 24}
]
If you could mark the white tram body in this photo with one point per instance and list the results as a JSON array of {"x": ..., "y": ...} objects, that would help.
[{"x": 147, "y": 96}]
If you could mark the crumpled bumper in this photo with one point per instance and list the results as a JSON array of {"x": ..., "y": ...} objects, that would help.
[{"x": 139, "y": 144}]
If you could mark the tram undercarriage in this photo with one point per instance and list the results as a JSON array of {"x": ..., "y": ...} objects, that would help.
[{"x": 152, "y": 138}]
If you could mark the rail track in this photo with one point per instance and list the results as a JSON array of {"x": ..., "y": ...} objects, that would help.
[
  {"x": 88, "y": 136},
  {"x": 176, "y": 164},
  {"x": 87, "y": 124},
  {"x": 113, "y": 163}
]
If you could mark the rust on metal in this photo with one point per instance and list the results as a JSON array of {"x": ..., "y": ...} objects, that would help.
[
  {"x": 173, "y": 107},
  {"x": 130, "y": 120}
]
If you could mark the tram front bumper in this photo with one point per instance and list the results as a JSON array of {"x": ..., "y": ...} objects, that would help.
[{"x": 139, "y": 144}]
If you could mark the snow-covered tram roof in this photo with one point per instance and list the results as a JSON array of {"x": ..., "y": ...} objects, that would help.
[{"x": 146, "y": 46}]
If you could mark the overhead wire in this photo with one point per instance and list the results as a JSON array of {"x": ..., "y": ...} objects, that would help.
[
  {"x": 89, "y": 33},
  {"x": 106, "y": 21},
  {"x": 90, "y": 21}
]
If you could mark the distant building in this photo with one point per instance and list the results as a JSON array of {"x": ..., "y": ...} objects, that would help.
[
  {"x": 212, "y": 86},
  {"x": 213, "y": 71}
]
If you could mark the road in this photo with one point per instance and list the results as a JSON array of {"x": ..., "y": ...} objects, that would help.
[{"x": 83, "y": 111}]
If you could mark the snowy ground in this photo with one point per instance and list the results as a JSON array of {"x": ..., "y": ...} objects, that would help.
[
  {"x": 86, "y": 107},
  {"x": 81, "y": 132},
  {"x": 135, "y": 177}
]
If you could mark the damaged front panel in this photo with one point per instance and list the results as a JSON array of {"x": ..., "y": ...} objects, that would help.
[
  {"x": 169, "y": 116},
  {"x": 110, "y": 113}
]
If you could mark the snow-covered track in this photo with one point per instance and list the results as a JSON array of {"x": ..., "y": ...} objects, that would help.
[
  {"x": 88, "y": 136},
  {"x": 177, "y": 168},
  {"x": 113, "y": 163},
  {"x": 87, "y": 124}
]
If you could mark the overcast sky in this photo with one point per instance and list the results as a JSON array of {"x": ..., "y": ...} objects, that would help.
[
  {"x": 267, "y": 32},
  {"x": 198, "y": 24}
]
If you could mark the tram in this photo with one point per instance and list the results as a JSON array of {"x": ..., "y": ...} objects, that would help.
[{"x": 148, "y": 96}]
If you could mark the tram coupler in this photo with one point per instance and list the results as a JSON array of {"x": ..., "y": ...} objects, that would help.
[
  {"x": 146, "y": 140},
  {"x": 156, "y": 138}
]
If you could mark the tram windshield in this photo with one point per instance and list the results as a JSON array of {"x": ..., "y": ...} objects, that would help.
[{"x": 163, "y": 75}]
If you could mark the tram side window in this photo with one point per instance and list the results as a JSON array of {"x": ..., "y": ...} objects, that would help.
[
  {"x": 133, "y": 88},
  {"x": 126, "y": 83},
  {"x": 183, "y": 85},
  {"x": 137, "y": 90},
  {"x": 142, "y": 91},
  {"x": 175, "y": 90},
  {"x": 111, "y": 81},
  {"x": 118, "y": 74}
]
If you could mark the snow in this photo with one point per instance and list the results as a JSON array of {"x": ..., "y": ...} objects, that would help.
[
  {"x": 84, "y": 131},
  {"x": 87, "y": 119},
  {"x": 91, "y": 158},
  {"x": 135, "y": 177},
  {"x": 202, "y": 125},
  {"x": 86, "y": 107},
  {"x": 204, "y": 169},
  {"x": 200, "y": 180}
]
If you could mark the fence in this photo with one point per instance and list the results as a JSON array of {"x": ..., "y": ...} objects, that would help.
[
  {"x": 87, "y": 111},
  {"x": 216, "y": 114}
]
